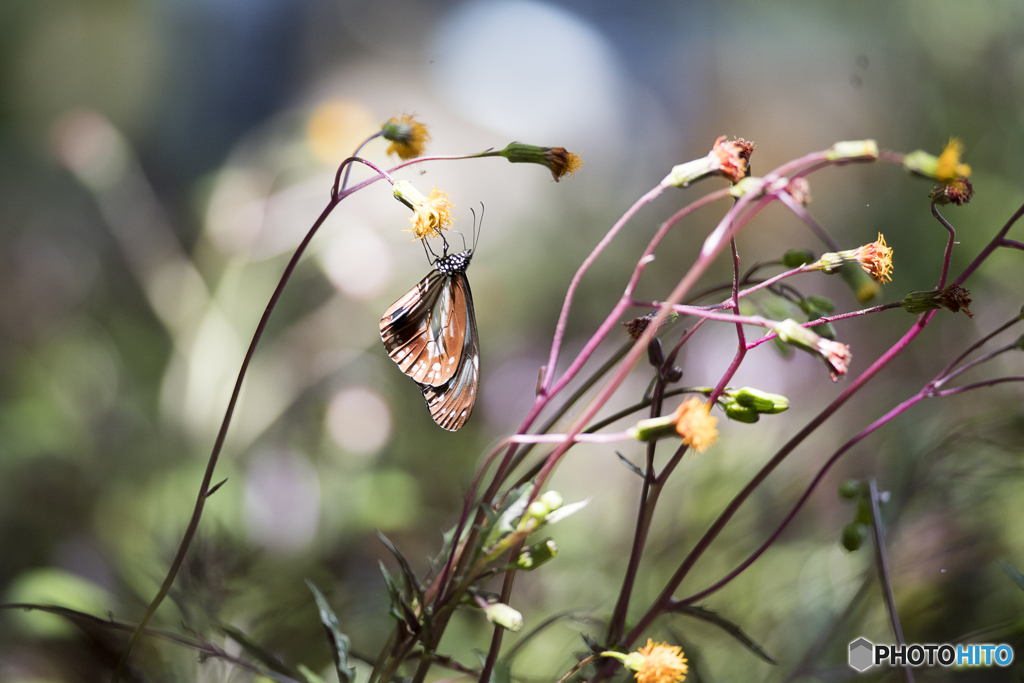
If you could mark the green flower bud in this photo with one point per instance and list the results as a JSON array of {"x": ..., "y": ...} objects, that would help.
[
  {"x": 850, "y": 489},
  {"x": 503, "y": 615},
  {"x": 761, "y": 401},
  {"x": 794, "y": 258},
  {"x": 853, "y": 536},
  {"x": 854, "y": 150},
  {"x": 535, "y": 555},
  {"x": 745, "y": 414}
]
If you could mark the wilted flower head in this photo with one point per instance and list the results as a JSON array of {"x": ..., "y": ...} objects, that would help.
[
  {"x": 655, "y": 663},
  {"x": 958, "y": 191},
  {"x": 836, "y": 355},
  {"x": 953, "y": 298},
  {"x": 559, "y": 161},
  {"x": 408, "y": 136},
  {"x": 733, "y": 157},
  {"x": 432, "y": 214},
  {"x": 727, "y": 158}
]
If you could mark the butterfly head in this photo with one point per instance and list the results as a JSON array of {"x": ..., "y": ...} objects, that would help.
[{"x": 450, "y": 264}]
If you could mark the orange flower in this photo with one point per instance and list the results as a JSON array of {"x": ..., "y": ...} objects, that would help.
[
  {"x": 655, "y": 663},
  {"x": 695, "y": 424},
  {"x": 876, "y": 259}
]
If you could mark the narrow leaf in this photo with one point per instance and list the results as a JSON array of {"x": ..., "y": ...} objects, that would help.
[
  {"x": 340, "y": 643},
  {"x": 258, "y": 653},
  {"x": 630, "y": 466},
  {"x": 1013, "y": 573},
  {"x": 410, "y": 578},
  {"x": 732, "y": 629}
]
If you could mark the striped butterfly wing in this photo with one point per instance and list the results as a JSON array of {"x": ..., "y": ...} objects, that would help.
[
  {"x": 423, "y": 331},
  {"x": 452, "y": 403}
]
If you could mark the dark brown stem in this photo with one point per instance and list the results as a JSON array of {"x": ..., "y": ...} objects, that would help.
[
  {"x": 883, "y": 573},
  {"x": 204, "y": 488}
]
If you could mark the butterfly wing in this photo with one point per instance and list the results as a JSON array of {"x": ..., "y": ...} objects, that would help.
[
  {"x": 451, "y": 404},
  {"x": 423, "y": 332}
]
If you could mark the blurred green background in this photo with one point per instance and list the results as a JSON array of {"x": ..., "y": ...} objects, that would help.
[{"x": 160, "y": 160}]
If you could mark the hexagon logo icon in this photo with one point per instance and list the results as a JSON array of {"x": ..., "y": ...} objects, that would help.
[{"x": 862, "y": 654}]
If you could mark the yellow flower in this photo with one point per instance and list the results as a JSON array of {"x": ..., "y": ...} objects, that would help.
[
  {"x": 695, "y": 424},
  {"x": 562, "y": 162},
  {"x": 875, "y": 259},
  {"x": 949, "y": 167},
  {"x": 655, "y": 663},
  {"x": 431, "y": 214},
  {"x": 408, "y": 136}
]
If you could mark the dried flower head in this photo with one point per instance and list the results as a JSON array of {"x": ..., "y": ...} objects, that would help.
[
  {"x": 562, "y": 162},
  {"x": 728, "y": 158},
  {"x": 733, "y": 157},
  {"x": 800, "y": 190},
  {"x": 559, "y": 161},
  {"x": 954, "y": 298},
  {"x": 958, "y": 191},
  {"x": 835, "y": 354},
  {"x": 408, "y": 136},
  {"x": 431, "y": 214},
  {"x": 695, "y": 424},
  {"x": 655, "y": 663}
]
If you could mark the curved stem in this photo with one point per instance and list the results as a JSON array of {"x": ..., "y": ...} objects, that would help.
[
  {"x": 204, "y": 488},
  {"x": 948, "y": 254}
]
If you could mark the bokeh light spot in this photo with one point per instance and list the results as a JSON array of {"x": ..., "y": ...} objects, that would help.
[
  {"x": 282, "y": 501},
  {"x": 359, "y": 420},
  {"x": 336, "y": 127}
]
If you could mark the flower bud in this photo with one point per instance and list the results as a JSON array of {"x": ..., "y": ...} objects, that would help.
[
  {"x": 503, "y": 615},
  {"x": 761, "y": 401},
  {"x": 854, "y": 150},
  {"x": 958, "y": 191},
  {"x": 853, "y": 536},
  {"x": 655, "y": 354},
  {"x": 794, "y": 258},
  {"x": 533, "y": 556},
  {"x": 850, "y": 489}
]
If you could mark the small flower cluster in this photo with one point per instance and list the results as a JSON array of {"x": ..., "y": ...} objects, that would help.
[{"x": 654, "y": 663}]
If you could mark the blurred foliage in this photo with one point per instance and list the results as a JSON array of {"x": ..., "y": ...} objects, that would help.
[{"x": 158, "y": 162}]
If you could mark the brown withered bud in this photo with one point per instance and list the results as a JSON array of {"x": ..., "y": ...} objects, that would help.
[
  {"x": 959, "y": 192},
  {"x": 956, "y": 298}
]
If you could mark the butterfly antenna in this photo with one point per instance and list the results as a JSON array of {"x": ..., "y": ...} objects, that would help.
[{"x": 476, "y": 233}]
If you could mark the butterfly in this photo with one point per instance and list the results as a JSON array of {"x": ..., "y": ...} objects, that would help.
[{"x": 431, "y": 334}]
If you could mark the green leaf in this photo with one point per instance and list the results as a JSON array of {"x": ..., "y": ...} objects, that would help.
[
  {"x": 258, "y": 653},
  {"x": 340, "y": 643},
  {"x": 502, "y": 672},
  {"x": 732, "y": 629},
  {"x": 1013, "y": 573},
  {"x": 411, "y": 583},
  {"x": 310, "y": 675}
]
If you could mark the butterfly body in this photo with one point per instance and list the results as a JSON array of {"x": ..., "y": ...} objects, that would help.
[{"x": 430, "y": 333}]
